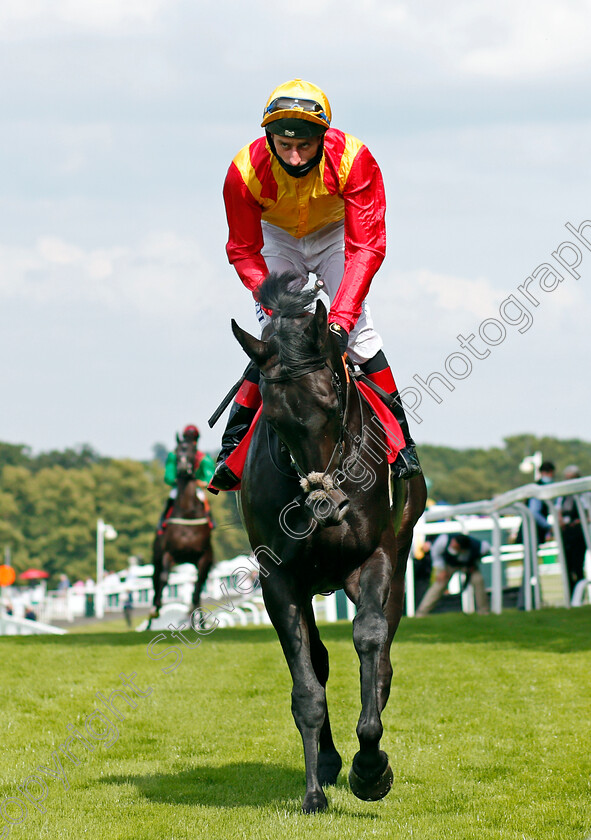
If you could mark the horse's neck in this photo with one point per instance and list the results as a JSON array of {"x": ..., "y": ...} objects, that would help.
[{"x": 187, "y": 500}]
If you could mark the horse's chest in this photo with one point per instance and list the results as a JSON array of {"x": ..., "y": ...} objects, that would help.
[{"x": 331, "y": 558}]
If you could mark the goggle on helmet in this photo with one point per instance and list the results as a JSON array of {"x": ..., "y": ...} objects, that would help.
[{"x": 297, "y": 109}]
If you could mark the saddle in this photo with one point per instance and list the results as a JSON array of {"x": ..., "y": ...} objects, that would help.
[
  {"x": 168, "y": 518},
  {"x": 375, "y": 398}
]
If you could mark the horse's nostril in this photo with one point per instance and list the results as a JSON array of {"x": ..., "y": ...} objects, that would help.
[
  {"x": 330, "y": 509},
  {"x": 342, "y": 511}
]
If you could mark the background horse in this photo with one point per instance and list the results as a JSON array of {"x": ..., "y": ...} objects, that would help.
[
  {"x": 341, "y": 532},
  {"x": 187, "y": 535}
]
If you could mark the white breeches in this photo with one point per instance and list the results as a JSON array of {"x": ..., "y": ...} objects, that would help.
[{"x": 321, "y": 253}]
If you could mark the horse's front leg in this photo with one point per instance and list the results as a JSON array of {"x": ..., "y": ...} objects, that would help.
[
  {"x": 157, "y": 581},
  {"x": 202, "y": 566},
  {"x": 308, "y": 699},
  {"x": 165, "y": 565},
  {"x": 329, "y": 760},
  {"x": 371, "y": 777},
  {"x": 414, "y": 494}
]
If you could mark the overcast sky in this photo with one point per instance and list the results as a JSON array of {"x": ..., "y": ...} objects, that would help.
[{"x": 119, "y": 120}]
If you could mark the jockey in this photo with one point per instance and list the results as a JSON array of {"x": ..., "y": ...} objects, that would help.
[
  {"x": 204, "y": 469},
  {"x": 309, "y": 198}
]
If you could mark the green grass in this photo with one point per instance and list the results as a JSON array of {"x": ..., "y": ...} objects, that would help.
[{"x": 487, "y": 729}]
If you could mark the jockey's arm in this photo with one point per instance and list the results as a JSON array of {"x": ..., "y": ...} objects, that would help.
[
  {"x": 365, "y": 238},
  {"x": 170, "y": 469},
  {"x": 245, "y": 239},
  {"x": 205, "y": 471}
]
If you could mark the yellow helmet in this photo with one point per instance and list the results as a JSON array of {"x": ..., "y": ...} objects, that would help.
[{"x": 297, "y": 108}]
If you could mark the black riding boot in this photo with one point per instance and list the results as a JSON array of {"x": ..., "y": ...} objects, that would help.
[
  {"x": 407, "y": 463},
  {"x": 164, "y": 514},
  {"x": 241, "y": 416},
  {"x": 378, "y": 371}
]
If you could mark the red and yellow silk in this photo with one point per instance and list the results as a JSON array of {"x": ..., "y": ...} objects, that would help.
[{"x": 347, "y": 184}]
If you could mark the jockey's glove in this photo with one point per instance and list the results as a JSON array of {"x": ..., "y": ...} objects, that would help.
[{"x": 341, "y": 335}]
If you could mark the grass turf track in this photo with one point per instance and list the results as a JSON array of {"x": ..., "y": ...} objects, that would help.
[{"x": 487, "y": 729}]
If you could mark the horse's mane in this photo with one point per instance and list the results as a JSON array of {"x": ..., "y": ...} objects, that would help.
[
  {"x": 296, "y": 347},
  {"x": 274, "y": 294}
]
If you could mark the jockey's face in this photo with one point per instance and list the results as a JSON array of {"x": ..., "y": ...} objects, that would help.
[{"x": 296, "y": 150}]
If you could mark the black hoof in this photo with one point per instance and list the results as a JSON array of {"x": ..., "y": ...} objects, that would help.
[
  {"x": 371, "y": 788},
  {"x": 314, "y": 802},
  {"x": 329, "y": 767}
]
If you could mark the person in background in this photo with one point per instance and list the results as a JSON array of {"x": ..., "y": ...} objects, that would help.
[
  {"x": 128, "y": 608},
  {"x": 573, "y": 536},
  {"x": 130, "y": 584},
  {"x": 540, "y": 509},
  {"x": 423, "y": 567},
  {"x": 451, "y": 553},
  {"x": 204, "y": 469}
]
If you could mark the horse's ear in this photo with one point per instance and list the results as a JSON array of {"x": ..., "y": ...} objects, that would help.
[
  {"x": 318, "y": 326},
  {"x": 253, "y": 347},
  {"x": 178, "y": 440}
]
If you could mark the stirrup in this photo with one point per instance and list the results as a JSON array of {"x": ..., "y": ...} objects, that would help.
[{"x": 407, "y": 464}]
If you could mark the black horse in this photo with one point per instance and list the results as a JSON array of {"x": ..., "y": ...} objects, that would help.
[
  {"x": 347, "y": 529},
  {"x": 186, "y": 537}
]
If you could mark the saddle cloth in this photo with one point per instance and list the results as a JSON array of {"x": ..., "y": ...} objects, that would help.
[{"x": 389, "y": 424}]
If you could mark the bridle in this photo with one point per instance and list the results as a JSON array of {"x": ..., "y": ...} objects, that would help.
[
  {"x": 320, "y": 482},
  {"x": 185, "y": 463},
  {"x": 185, "y": 467}
]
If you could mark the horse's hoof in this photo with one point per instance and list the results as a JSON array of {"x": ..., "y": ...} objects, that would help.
[
  {"x": 373, "y": 788},
  {"x": 329, "y": 767},
  {"x": 154, "y": 614},
  {"x": 313, "y": 802}
]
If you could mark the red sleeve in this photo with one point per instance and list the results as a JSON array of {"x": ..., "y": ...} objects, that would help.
[
  {"x": 365, "y": 237},
  {"x": 245, "y": 238}
]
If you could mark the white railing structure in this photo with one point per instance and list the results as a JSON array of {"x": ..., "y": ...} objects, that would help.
[
  {"x": 497, "y": 516},
  {"x": 12, "y": 626},
  {"x": 469, "y": 519},
  {"x": 221, "y": 584}
]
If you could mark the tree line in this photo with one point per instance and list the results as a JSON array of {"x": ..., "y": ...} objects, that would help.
[{"x": 50, "y": 502}]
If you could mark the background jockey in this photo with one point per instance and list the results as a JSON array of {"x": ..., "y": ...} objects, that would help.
[
  {"x": 309, "y": 198},
  {"x": 204, "y": 468}
]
